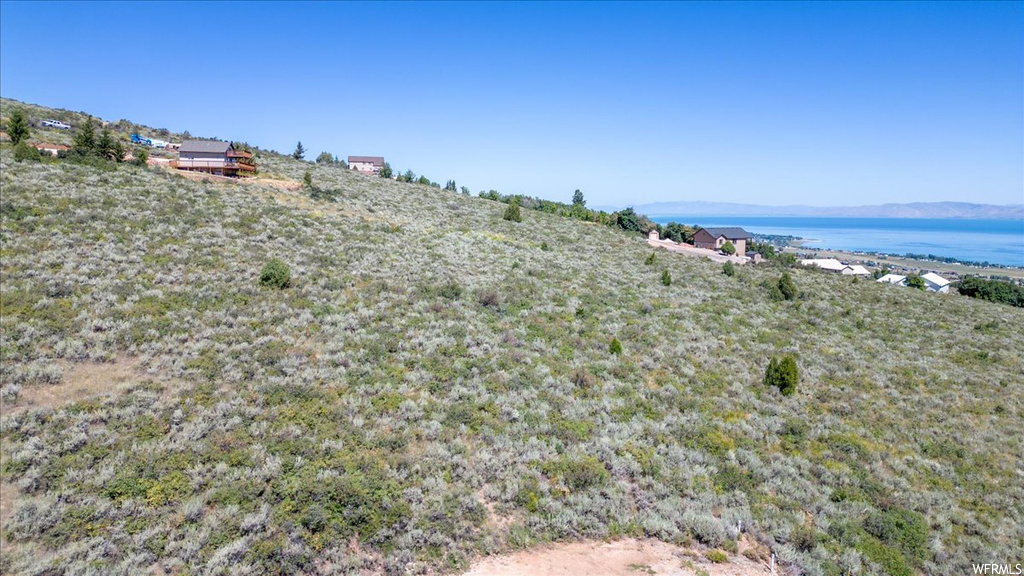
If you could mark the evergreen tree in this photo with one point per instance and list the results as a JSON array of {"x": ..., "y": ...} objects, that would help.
[
  {"x": 577, "y": 199},
  {"x": 385, "y": 172},
  {"x": 787, "y": 286},
  {"x": 307, "y": 180},
  {"x": 512, "y": 213},
  {"x": 84, "y": 141},
  {"x": 326, "y": 158},
  {"x": 300, "y": 151},
  {"x": 105, "y": 145},
  {"x": 17, "y": 127},
  {"x": 783, "y": 374}
]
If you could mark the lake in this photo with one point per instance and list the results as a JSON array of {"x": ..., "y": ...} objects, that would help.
[{"x": 995, "y": 241}]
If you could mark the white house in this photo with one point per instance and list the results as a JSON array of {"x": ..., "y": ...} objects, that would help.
[
  {"x": 833, "y": 265},
  {"x": 366, "y": 164},
  {"x": 893, "y": 279},
  {"x": 935, "y": 283}
]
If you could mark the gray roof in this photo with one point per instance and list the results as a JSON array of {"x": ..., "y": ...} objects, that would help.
[
  {"x": 208, "y": 146},
  {"x": 730, "y": 233},
  {"x": 375, "y": 160}
]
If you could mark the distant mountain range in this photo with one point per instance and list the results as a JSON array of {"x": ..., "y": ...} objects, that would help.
[{"x": 961, "y": 210}]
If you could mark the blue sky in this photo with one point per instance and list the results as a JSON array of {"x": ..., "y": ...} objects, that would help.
[{"x": 776, "y": 103}]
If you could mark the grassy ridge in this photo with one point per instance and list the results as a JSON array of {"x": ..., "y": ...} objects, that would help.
[{"x": 435, "y": 385}]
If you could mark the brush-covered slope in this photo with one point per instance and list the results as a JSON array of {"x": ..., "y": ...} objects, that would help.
[{"x": 437, "y": 383}]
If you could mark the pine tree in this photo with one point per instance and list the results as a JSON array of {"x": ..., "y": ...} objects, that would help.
[
  {"x": 512, "y": 213},
  {"x": 17, "y": 127},
  {"x": 300, "y": 151},
  {"x": 84, "y": 141},
  {"x": 577, "y": 199}
]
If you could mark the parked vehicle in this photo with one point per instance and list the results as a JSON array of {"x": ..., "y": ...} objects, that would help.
[{"x": 56, "y": 124}]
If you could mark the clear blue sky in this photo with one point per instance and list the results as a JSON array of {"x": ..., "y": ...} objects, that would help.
[{"x": 818, "y": 103}]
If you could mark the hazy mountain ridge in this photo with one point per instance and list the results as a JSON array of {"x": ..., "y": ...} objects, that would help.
[{"x": 960, "y": 210}]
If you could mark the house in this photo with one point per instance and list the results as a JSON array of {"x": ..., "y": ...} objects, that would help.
[
  {"x": 214, "y": 157},
  {"x": 935, "y": 283},
  {"x": 53, "y": 149},
  {"x": 896, "y": 279},
  {"x": 833, "y": 265},
  {"x": 366, "y": 164},
  {"x": 653, "y": 235},
  {"x": 715, "y": 238}
]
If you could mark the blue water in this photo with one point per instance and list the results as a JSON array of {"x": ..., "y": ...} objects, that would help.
[{"x": 995, "y": 241}]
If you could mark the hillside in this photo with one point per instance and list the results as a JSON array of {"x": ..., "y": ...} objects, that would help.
[{"x": 437, "y": 384}]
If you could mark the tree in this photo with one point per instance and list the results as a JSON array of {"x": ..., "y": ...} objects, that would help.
[
  {"x": 627, "y": 220},
  {"x": 25, "y": 152},
  {"x": 728, "y": 269},
  {"x": 512, "y": 213},
  {"x": 385, "y": 171},
  {"x": 783, "y": 374},
  {"x": 577, "y": 199},
  {"x": 728, "y": 248},
  {"x": 464, "y": 190},
  {"x": 84, "y": 141},
  {"x": 615, "y": 347},
  {"x": 326, "y": 158},
  {"x": 666, "y": 278},
  {"x": 17, "y": 127},
  {"x": 915, "y": 281},
  {"x": 105, "y": 145},
  {"x": 787, "y": 286},
  {"x": 423, "y": 180},
  {"x": 307, "y": 180},
  {"x": 299, "y": 151},
  {"x": 141, "y": 156},
  {"x": 450, "y": 186},
  {"x": 275, "y": 274}
]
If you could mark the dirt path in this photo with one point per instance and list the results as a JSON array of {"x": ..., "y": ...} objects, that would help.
[
  {"x": 627, "y": 557},
  {"x": 694, "y": 251}
]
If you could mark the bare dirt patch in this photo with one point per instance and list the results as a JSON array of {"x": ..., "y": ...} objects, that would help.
[
  {"x": 81, "y": 380},
  {"x": 627, "y": 557}
]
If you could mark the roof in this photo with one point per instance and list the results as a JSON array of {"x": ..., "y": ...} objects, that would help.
[
  {"x": 208, "y": 146},
  {"x": 935, "y": 279},
  {"x": 375, "y": 160},
  {"x": 825, "y": 264},
  {"x": 856, "y": 269},
  {"x": 892, "y": 279},
  {"x": 45, "y": 146},
  {"x": 730, "y": 233}
]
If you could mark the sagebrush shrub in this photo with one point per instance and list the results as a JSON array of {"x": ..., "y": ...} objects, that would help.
[{"x": 276, "y": 274}]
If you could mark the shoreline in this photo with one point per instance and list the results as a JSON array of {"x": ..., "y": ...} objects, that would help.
[{"x": 898, "y": 263}]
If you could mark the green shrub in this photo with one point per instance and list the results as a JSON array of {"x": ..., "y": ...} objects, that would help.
[
  {"x": 716, "y": 556},
  {"x": 450, "y": 290},
  {"x": 903, "y": 529},
  {"x": 25, "y": 152},
  {"x": 275, "y": 274},
  {"x": 787, "y": 287},
  {"x": 728, "y": 248},
  {"x": 783, "y": 374},
  {"x": 615, "y": 347},
  {"x": 666, "y": 278},
  {"x": 512, "y": 213},
  {"x": 993, "y": 291},
  {"x": 728, "y": 269},
  {"x": 651, "y": 259}
]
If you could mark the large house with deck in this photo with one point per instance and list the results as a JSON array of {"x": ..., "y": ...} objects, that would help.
[
  {"x": 366, "y": 164},
  {"x": 214, "y": 157},
  {"x": 715, "y": 238}
]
